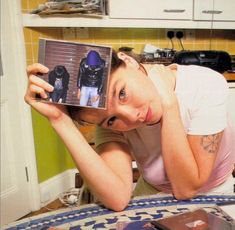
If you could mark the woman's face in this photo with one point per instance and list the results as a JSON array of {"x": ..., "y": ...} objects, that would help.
[{"x": 132, "y": 101}]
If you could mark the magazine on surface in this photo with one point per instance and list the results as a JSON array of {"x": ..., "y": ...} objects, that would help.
[
  {"x": 79, "y": 72},
  {"x": 228, "y": 208},
  {"x": 197, "y": 219}
]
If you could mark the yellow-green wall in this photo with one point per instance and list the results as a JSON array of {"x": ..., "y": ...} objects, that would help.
[{"x": 52, "y": 156}]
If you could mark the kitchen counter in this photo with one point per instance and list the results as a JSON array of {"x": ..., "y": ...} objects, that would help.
[{"x": 230, "y": 77}]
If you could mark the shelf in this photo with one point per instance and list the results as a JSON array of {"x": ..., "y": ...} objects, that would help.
[{"x": 33, "y": 20}]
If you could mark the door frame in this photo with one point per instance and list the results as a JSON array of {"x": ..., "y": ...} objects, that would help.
[{"x": 16, "y": 42}]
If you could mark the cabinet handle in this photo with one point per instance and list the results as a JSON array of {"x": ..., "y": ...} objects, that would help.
[
  {"x": 212, "y": 11},
  {"x": 174, "y": 10}
]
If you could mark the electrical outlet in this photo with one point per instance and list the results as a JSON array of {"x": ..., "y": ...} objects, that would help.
[
  {"x": 69, "y": 33},
  {"x": 170, "y": 36},
  {"x": 190, "y": 34},
  {"x": 82, "y": 32},
  {"x": 170, "y": 30}
]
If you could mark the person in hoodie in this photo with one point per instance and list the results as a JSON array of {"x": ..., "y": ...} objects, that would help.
[
  {"x": 59, "y": 79},
  {"x": 91, "y": 79}
]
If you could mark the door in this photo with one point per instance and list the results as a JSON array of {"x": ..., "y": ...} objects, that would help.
[{"x": 19, "y": 186}]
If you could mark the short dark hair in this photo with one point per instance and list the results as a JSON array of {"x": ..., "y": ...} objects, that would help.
[
  {"x": 72, "y": 111},
  {"x": 116, "y": 61}
]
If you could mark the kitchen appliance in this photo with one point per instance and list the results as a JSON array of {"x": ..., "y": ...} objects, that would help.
[
  {"x": 217, "y": 60},
  {"x": 153, "y": 54},
  {"x": 160, "y": 56},
  {"x": 232, "y": 70}
]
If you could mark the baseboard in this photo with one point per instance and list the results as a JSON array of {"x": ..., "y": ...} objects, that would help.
[{"x": 53, "y": 187}]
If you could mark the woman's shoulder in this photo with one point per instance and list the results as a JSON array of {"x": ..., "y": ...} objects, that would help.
[
  {"x": 200, "y": 72},
  {"x": 199, "y": 76}
]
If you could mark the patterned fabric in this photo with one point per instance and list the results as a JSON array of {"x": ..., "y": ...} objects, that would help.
[{"x": 98, "y": 217}]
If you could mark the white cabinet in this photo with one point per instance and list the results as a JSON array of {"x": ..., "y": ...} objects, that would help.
[
  {"x": 216, "y": 10},
  {"x": 151, "y": 9},
  {"x": 185, "y": 14}
]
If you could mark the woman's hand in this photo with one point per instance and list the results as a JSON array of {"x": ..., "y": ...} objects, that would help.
[
  {"x": 37, "y": 86},
  {"x": 164, "y": 80}
]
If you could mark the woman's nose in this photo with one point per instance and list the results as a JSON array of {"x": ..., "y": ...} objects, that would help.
[{"x": 129, "y": 114}]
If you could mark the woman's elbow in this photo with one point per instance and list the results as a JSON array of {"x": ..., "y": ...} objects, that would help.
[
  {"x": 118, "y": 205},
  {"x": 188, "y": 191},
  {"x": 186, "y": 194},
  {"x": 118, "y": 201}
]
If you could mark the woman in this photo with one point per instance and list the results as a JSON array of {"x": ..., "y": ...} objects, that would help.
[{"x": 171, "y": 120}]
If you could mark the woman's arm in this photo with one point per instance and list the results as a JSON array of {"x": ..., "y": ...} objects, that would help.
[
  {"x": 110, "y": 176},
  {"x": 187, "y": 161}
]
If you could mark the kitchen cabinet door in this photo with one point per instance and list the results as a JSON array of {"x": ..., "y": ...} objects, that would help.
[
  {"x": 151, "y": 9},
  {"x": 217, "y": 11}
]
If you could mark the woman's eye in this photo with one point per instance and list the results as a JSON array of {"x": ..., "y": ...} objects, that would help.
[
  {"x": 111, "y": 121},
  {"x": 122, "y": 94}
]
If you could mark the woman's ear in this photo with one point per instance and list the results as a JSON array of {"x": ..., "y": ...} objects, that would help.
[{"x": 128, "y": 60}]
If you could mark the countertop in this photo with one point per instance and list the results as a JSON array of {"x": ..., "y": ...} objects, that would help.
[{"x": 230, "y": 77}]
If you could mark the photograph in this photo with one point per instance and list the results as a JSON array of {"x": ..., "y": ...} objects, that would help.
[{"x": 77, "y": 71}]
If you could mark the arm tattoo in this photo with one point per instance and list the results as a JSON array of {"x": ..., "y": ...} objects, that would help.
[{"x": 210, "y": 143}]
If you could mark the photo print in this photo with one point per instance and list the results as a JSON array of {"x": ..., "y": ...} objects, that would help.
[{"x": 78, "y": 72}]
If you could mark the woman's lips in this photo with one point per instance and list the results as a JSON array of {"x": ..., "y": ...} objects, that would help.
[{"x": 148, "y": 116}]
